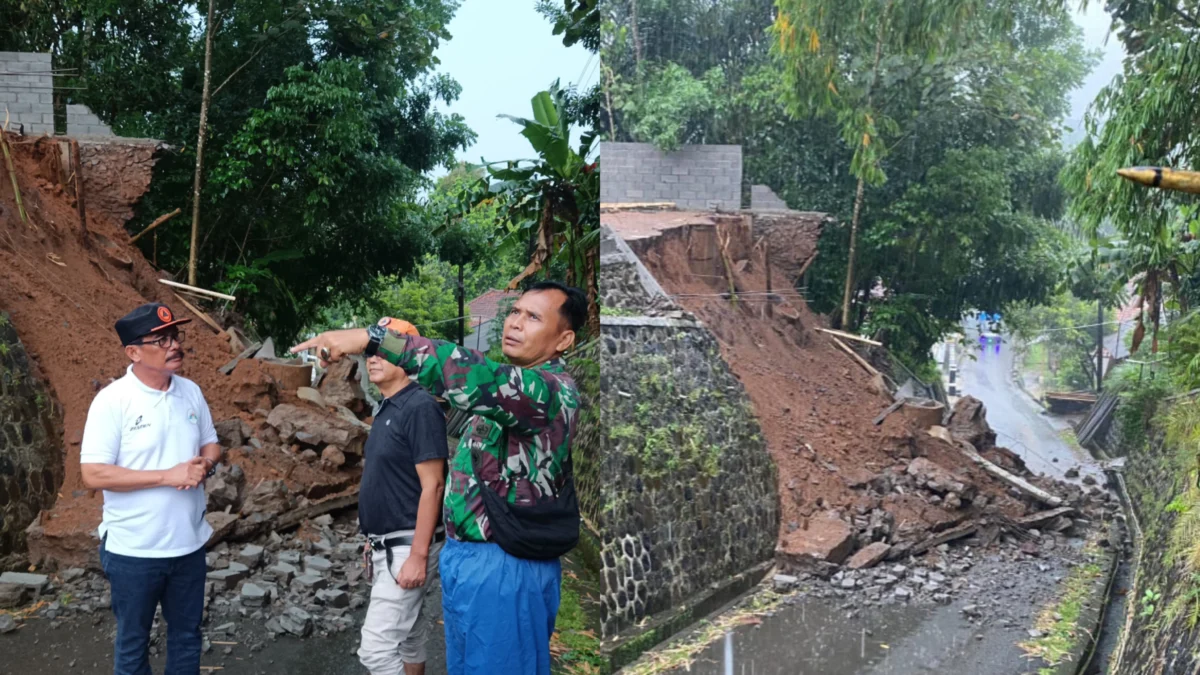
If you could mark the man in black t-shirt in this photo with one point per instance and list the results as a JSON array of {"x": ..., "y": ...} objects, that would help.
[{"x": 400, "y": 511}]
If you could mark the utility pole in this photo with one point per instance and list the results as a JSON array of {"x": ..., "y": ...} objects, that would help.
[
  {"x": 1099, "y": 345},
  {"x": 462, "y": 325}
]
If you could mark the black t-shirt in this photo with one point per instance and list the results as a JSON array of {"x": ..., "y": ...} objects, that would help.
[{"x": 409, "y": 428}]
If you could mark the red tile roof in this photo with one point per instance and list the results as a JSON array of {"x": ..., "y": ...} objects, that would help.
[{"x": 484, "y": 307}]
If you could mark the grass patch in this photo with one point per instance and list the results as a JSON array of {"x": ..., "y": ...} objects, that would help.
[
  {"x": 1059, "y": 621},
  {"x": 681, "y": 654},
  {"x": 575, "y": 646}
]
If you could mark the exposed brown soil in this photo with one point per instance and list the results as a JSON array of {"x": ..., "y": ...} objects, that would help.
[
  {"x": 815, "y": 403},
  {"x": 64, "y": 288}
]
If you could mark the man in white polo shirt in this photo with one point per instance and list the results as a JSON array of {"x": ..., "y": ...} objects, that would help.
[{"x": 149, "y": 443}]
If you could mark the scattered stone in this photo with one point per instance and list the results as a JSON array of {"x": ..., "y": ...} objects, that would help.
[
  {"x": 72, "y": 575},
  {"x": 848, "y": 582},
  {"x": 869, "y": 556},
  {"x": 1035, "y": 633},
  {"x": 296, "y": 621},
  {"x": 7, "y": 623},
  {"x": 1089, "y": 479},
  {"x": 289, "y": 557},
  {"x": 333, "y": 598},
  {"x": 323, "y": 520},
  {"x": 226, "y": 628},
  {"x": 268, "y": 497},
  {"x": 784, "y": 582},
  {"x": 13, "y": 595},
  {"x": 251, "y": 555},
  {"x": 333, "y": 456},
  {"x": 357, "y": 602},
  {"x": 349, "y": 551},
  {"x": 1072, "y": 472},
  {"x": 311, "y": 395},
  {"x": 253, "y": 595},
  {"x": 315, "y": 563},
  {"x": 902, "y": 592}
]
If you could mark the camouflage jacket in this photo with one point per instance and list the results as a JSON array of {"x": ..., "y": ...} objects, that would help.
[{"x": 524, "y": 420}]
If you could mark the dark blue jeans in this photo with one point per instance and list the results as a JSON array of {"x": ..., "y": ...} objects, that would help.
[{"x": 139, "y": 585}]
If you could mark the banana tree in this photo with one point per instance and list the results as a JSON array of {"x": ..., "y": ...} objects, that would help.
[{"x": 553, "y": 200}]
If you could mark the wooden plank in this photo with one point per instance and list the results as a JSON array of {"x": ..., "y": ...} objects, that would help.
[
  {"x": 850, "y": 336},
  {"x": 858, "y": 359},
  {"x": 202, "y": 316},
  {"x": 1015, "y": 481},
  {"x": 201, "y": 291},
  {"x": 228, "y": 367},
  {"x": 888, "y": 411},
  {"x": 953, "y": 533},
  {"x": 1040, "y": 517}
]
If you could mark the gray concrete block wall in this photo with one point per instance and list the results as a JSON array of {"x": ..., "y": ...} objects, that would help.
[
  {"x": 27, "y": 91},
  {"x": 763, "y": 198},
  {"x": 693, "y": 177},
  {"x": 81, "y": 122}
]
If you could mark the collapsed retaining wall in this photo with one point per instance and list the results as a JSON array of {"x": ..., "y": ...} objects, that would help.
[
  {"x": 31, "y": 456},
  {"x": 690, "y": 500}
]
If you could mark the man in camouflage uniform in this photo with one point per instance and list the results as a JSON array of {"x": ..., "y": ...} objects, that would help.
[{"x": 499, "y": 609}]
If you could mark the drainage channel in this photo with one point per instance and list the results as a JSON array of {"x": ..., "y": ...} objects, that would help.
[{"x": 1109, "y": 646}]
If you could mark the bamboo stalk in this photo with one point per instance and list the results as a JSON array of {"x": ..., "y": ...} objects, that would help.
[
  {"x": 850, "y": 336},
  {"x": 858, "y": 359},
  {"x": 203, "y": 317},
  {"x": 157, "y": 221},
  {"x": 77, "y": 168},
  {"x": 12, "y": 172},
  {"x": 201, "y": 291}
]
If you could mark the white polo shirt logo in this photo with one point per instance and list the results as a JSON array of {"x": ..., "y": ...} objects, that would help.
[
  {"x": 192, "y": 417},
  {"x": 138, "y": 424}
]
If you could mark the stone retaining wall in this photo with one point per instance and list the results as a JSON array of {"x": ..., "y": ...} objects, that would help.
[{"x": 31, "y": 457}]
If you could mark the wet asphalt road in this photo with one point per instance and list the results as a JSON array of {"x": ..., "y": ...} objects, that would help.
[
  {"x": 820, "y": 636},
  {"x": 1018, "y": 421}
]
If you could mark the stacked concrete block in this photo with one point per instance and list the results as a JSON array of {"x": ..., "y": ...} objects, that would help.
[
  {"x": 81, "y": 122},
  {"x": 763, "y": 198},
  {"x": 697, "y": 177},
  {"x": 27, "y": 91}
]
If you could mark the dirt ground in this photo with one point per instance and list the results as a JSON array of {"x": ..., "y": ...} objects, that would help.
[{"x": 815, "y": 402}]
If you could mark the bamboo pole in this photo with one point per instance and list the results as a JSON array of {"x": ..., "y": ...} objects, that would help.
[
  {"x": 201, "y": 291},
  {"x": 157, "y": 221},
  {"x": 12, "y": 171}
]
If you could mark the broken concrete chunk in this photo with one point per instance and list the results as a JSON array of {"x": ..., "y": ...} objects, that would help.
[
  {"x": 869, "y": 556},
  {"x": 289, "y": 557},
  {"x": 827, "y": 539},
  {"x": 296, "y": 621},
  {"x": 341, "y": 429},
  {"x": 282, "y": 572},
  {"x": 268, "y": 497},
  {"x": 253, "y": 595},
  {"x": 315, "y": 563},
  {"x": 784, "y": 582},
  {"x": 251, "y": 555},
  {"x": 36, "y": 583},
  {"x": 333, "y": 598},
  {"x": 7, "y": 623},
  {"x": 226, "y": 579},
  {"x": 309, "y": 583},
  {"x": 72, "y": 575}
]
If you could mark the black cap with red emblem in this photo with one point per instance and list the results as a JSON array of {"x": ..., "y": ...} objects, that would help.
[{"x": 147, "y": 319}]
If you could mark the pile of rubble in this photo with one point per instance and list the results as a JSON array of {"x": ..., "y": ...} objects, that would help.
[
  {"x": 300, "y": 584},
  {"x": 994, "y": 505}
]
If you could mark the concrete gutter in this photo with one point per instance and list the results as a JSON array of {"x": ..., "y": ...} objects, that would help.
[{"x": 1091, "y": 615}]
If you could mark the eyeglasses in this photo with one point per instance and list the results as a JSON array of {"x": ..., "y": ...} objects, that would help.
[{"x": 162, "y": 342}]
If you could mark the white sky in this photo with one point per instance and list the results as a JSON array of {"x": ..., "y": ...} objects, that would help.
[
  {"x": 1095, "y": 23},
  {"x": 502, "y": 53}
]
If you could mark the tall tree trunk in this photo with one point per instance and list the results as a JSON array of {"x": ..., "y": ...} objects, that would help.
[
  {"x": 204, "y": 98},
  {"x": 858, "y": 193}
]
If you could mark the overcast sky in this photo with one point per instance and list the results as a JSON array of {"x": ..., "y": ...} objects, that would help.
[
  {"x": 502, "y": 53},
  {"x": 1095, "y": 23}
]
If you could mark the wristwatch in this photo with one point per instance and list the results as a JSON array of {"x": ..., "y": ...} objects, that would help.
[
  {"x": 212, "y": 468},
  {"x": 375, "y": 335}
]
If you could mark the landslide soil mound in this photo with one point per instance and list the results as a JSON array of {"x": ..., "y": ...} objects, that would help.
[
  {"x": 815, "y": 403},
  {"x": 65, "y": 286}
]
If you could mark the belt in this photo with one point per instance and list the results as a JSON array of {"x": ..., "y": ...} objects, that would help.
[{"x": 402, "y": 540}]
